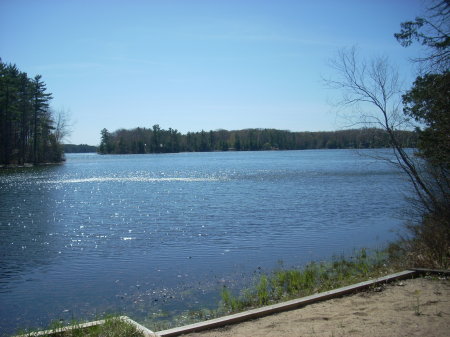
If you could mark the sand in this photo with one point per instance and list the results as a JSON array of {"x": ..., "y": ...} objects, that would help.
[{"x": 417, "y": 307}]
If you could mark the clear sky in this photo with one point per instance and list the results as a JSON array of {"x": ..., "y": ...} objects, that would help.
[{"x": 196, "y": 64}]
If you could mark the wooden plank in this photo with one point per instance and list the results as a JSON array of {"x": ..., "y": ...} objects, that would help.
[
  {"x": 279, "y": 307},
  {"x": 144, "y": 330},
  {"x": 432, "y": 271},
  {"x": 59, "y": 330}
]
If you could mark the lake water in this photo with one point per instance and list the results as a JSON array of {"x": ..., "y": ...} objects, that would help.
[{"x": 146, "y": 234}]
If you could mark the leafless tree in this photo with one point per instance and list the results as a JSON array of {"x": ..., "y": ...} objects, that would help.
[
  {"x": 372, "y": 92},
  {"x": 63, "y": 126}
]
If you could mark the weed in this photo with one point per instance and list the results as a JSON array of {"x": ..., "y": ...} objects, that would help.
[
  {"x": 231, "y": 302},
  {"x": 262, "y": 290},
  {"x": 417, "y": 303}
]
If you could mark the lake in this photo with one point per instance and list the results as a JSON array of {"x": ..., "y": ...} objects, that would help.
[{"x": 145, "y": 235}]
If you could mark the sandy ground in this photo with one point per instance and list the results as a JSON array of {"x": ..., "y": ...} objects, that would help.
[{"x": 418, "y": 307}]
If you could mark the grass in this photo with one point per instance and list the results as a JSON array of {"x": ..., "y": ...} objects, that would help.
[{"x": 285, "y": 284}]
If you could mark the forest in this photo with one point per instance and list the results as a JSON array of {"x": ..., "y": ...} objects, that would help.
[
  {"x": 29, "y": 130},
  {"x": 157, "y": 140}
]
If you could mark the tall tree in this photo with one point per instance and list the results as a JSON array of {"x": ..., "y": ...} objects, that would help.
[
  {"x": 41, "y": 121},
  {"x": 432, "y": 31},
  {"x": 156, "y": 144},
  {"x": 25, "y": 108},
  {"x": 428, "y": 103},
  {"x": 8, "y": 108},
  {"x": 105, "y": 143}
]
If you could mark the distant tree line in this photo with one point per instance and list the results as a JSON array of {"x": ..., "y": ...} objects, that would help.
[
  {"x": 81, "y": 148},
  {"x": 29, "y": 132},
  {"x": 157, "y": 140}
]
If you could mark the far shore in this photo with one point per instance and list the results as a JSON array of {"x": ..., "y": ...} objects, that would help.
[{"x": 28, "y": 165}]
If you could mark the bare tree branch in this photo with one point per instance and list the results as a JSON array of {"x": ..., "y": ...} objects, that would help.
[
  {"x": 375, "y": 89},
  {"x": 63, "y": 126}
]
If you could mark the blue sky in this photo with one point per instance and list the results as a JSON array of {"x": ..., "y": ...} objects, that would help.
[{"x": 196, "y": 64}]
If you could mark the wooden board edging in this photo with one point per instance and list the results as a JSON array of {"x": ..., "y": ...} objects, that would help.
[
  {"x": 423, "y": 271},
  {"x": 63, "y": 329},
  {"x": 144, "y": 330},
  {"x": 279, "y": 307}
]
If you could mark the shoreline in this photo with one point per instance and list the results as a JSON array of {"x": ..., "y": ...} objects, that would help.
[
  {"x": 29, "y": 165},
  {"x": 408, "y": 303},
  {"x": 411, "y": 307}
]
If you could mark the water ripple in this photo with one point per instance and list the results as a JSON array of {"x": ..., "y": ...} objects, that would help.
[
  {"x": 83, "y": 235},
  {"x": 126, "y": 179}
]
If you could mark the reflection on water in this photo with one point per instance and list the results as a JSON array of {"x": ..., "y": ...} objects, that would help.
[{"x": 139, "y": 234}]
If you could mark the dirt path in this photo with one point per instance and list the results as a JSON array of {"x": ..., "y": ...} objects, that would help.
[{"x": 418, "y": 307}]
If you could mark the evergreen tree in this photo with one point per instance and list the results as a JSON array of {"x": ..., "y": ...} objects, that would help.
[
  {"x": 428, "y": 102},
  {"x": 41, "y": 121},
  {"x": 27, "y": 127},
  {"x": 105, "y": 143}
]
